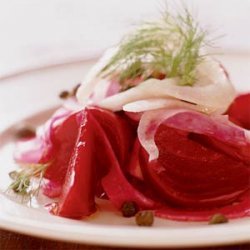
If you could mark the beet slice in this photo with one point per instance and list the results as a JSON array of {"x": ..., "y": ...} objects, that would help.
[
  {"x": 239, "y": 111},
  {"x": 113, "y": 180},
  {"x": 77, "y": 198},
  {"x": 236, "y": 210},
  {"x": 190, "y": 174},
  {"x": 94, "y": 163},
  {"x": 119, "y": 131},
  {"x": 63, "y": 138}
]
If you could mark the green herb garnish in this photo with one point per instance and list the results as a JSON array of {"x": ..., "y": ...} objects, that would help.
[
  {"x": 22, "y": 183},
  {"x": 170, "y": 46}
]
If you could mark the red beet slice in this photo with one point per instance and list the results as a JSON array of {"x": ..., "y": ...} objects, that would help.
[
  {"x": 190, "y": 174},
  {"x": 119, "y": 131},
  {"x": 239, "y": 111},
  {"x": 77, "y": 199},
  {"x": 93, "y": 162},
  {"x": 239, "y": 209},
  {"x": 63, "y": 139},
  {"x": 114, "y": 182}
]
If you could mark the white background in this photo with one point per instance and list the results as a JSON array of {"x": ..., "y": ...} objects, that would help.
[{"x": 38, "y": 33}]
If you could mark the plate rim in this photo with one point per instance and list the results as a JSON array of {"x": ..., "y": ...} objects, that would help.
[
  {"x": 93, "y": 234},
  {"x": 155, "y": 237},
  {"x": 15, "y": 224}
]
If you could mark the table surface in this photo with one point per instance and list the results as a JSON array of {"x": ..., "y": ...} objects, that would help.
[
  {"x": 14, "y": 241},
  {"x": 62, "y": 31}
]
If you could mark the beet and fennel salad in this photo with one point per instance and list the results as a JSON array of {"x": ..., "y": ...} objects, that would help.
[{"x": 156, "y": 128}]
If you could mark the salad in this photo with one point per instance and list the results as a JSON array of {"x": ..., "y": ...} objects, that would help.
[{"x": 156, "y": 128}]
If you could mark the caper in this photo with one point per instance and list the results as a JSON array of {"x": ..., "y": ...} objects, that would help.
[
  {"x": 144, "y": 218},
  {"x": 218, "y": 219},
  {"x": 64, "y": 94},
  {"x": 129, "y": 209},
  {"x": 25, "y": 132}
]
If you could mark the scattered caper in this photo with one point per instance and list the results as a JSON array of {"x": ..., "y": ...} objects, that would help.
[
  {"x": 129, "y": 209},
  {"x": 64, "y": 94},
  {"x": 144, "y": 218},
  {"x": 25, "y": 132},
  {"x": 218, "y": 219},
  {"x": 67, "y": 94}
]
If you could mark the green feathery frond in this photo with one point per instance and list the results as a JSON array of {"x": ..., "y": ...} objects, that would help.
[
  {"x": 22, "y": 179},
  {"x": 171, "y": 46}
]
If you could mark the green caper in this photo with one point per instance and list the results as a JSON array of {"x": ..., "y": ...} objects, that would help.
[
  {"x": 144, "y": 218},
  {"x": 129, "y": 209},
  {"x": 218, "y": 219}
]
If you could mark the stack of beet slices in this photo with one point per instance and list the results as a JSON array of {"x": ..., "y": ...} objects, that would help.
[{"x": 200, "y": 166}]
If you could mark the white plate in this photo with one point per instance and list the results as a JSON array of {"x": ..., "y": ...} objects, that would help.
[{"x": 30, "y": 95}]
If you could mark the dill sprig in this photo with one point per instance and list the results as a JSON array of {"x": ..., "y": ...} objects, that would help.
[
  {"x": 22, "y": 179},
  {"x": 171, "y": 46}
]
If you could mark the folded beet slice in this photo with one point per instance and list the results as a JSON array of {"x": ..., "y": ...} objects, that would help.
[
  {"x": 77, "y": 198},
  {"x": 62, "y": 140},
  {"x": 119, "y": 131},
  {"x": 239, "y": 111},
  {"x": 93, "y": 161},
  {"x": 190, "y": 174},
  {"x": 63, "y": 137},
  {"x": 52, "y": 145},
  {"x": 236, "y": 210},
  {"x": 115, "y": 184},
  {"x": 118, "y": 188}
]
